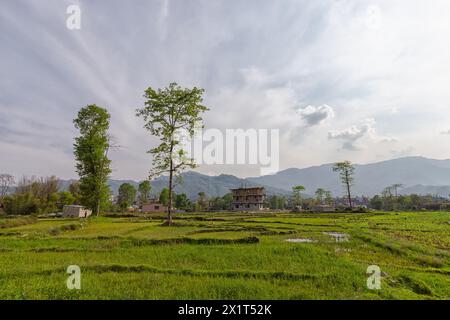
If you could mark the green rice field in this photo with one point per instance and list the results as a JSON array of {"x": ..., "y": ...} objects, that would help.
[{"x": 228, "y": 256}]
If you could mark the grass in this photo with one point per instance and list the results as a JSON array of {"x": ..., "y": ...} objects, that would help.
[{"x": 227, "y": 256}]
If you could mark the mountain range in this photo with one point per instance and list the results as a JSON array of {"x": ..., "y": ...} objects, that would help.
[{"x": 418, "y": 175}]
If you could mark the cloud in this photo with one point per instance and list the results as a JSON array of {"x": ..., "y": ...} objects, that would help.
[
  {"x": 258, "y": 61},
  {"x": 316, "y": 115},
  {"x": 446, "y": 132},
  {"x": 388, "y": 140},
  {"x": 354, "y": 133}
]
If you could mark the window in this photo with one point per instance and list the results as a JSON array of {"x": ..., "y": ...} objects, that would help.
[{"x": 156, "y": 207}]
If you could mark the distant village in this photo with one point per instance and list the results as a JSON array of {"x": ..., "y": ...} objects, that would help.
[{"x": 44, "y": 196}]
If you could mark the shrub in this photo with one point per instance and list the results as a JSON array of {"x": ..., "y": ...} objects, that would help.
[{"x": 20, "y": 204}]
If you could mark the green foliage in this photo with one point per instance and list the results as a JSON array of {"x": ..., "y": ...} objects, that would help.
[
  {"x": 170, "y": 113},
  {"x": 65, "y": 198},
  {"x": 37, "y": 196},
  {"x": 346, "y": 171},
  {"x": 74, "y": 189},
  {"x": 276, "y": 202},
  {"x": 297, "y": 195},
  {"x": 221, "y": 203},
  {"x": 20, "y": 204},
  {"x": 144, "y": 191},
  {"x": 91, "y": 154},
  {"x": 182, "y": 202},
  {"x": 127, "y": 195},
  {"x": 164, "y": 196},
  {"x": 202, "y": 201}
]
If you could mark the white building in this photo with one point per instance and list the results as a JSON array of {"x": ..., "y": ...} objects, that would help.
[{"x": 73, "y": 211}]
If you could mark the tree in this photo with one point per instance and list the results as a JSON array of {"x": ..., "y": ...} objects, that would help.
[
  {"x": 320, "y": 194},
  {"x": 144, "y": 191},
  {"x": 202, "y": 200},
  {"x": 346, "y": 171},
  {"x": 395, "y": 188},
  {"x": 91, "y": 155},
  {"x": 182, "y": 202},
  {"x": 65, "y": 198},
  {"x": 164, "y": 196},
  {"x": 297, "y": 195},
  {"x": 329, "y": 198},
  {"x": 168, "y": 112},
  {"x": 127, "y": 195},
  {"x": 376, "y": 203},
  {"x": 74, "y": 189},
  {"x": 6, "y": 182}
]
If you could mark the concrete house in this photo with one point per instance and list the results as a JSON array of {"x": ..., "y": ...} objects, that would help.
[
  {"x": 73, "y": 211},
  {"x": 248, "y": 199},
  {"x": 153, "y": 206}
]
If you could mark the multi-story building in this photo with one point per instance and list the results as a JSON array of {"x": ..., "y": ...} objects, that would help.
[{"x": 248, "y": 198}]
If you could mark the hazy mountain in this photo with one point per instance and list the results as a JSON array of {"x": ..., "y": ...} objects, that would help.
[
  {"x": 370, "y": 179},
  {"x": 442, "y": 191},
  {"x": 418, "y": 175}
]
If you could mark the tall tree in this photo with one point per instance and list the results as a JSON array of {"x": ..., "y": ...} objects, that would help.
[
  {"x": 329, "y": 198},
  {"x": 144, "y": 191},
  {"x": 6, "y": 182},
  {"x": 320, "y": 194},
  {"x": 91, "y": 155},
  {"x": 297, "y": 194},
  {"x": 74, "y": 189},
  {"x": 201, "y": 201},
  {"x": 168, "y": 112},
  {"x": 127, "y": 195},
  {"x": 346, "y": 171},
  {"x": 395, "y": 187}
]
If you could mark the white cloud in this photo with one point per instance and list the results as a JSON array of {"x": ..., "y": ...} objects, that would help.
[
  {"x": 316, "y": 115},
  {"x": 259, "y": 60},
  {"x": 354, "y": 133}
]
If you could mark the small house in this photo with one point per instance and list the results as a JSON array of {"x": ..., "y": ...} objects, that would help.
[
  {"x": 153, "y": 206},
  {"x": 74, "y": 211}
]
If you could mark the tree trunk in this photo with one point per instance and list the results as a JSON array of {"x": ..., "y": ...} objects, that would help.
[
  {"x": 169, "y": 208},
  {"x": 348, "y": 193}
]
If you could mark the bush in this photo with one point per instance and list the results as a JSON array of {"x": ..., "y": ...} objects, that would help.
[{"x": 20, "y": 204}]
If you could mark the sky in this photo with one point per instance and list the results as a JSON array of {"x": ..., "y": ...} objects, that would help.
[{"x": 363, "y": 81}]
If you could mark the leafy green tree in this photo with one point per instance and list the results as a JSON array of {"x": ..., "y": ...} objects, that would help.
[
  {"x": 91, "y": 154},
  {"x": 346, "y": 171},
  {"x": 167, "y": 113},
  {"x": 144, "y": 191},
  {"x": 164, "y": 196},
  {"x": 297, "y": 195},
  {"x": 182, "y": 202},
  {"x": 127, "y": 195},
  {"x": 74, "y": 189},
  {"x": 320, "y": 194},
  {"x": 65, "y": 198},
  {"x": 329, "y": 200},
  {"x": 202, "y": 200},
  {"x": 395, "y": 188},
  {"x": 21, "y": 204},
  {"x": 376, "y": 203}
]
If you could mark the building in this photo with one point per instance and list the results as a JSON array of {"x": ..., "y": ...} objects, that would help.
[
  {"x": 248, "y": 199},
  {"x": 153, "y": 206},
  {"x": 73, "y": 211}
]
